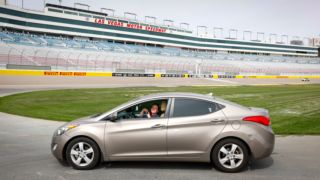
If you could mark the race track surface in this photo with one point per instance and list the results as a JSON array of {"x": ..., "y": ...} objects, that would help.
[
  {"x": 25, "y": 142},
  {"x": 25, "y": 154}
]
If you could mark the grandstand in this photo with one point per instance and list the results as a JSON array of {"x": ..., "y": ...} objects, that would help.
[{"x": 71, "y": 39}]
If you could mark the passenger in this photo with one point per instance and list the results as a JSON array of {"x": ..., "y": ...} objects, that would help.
[
  {"x": 152, "y": 114},
  {"x": 163, "y": 108}
]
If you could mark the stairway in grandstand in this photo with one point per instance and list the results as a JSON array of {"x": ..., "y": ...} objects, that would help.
[{"x": 76, "y": 54}]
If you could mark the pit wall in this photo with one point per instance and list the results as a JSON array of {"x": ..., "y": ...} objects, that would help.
[{"x": 156, "y": 75}]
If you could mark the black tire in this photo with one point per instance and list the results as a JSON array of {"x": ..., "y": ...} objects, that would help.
[
  {"x": 87, "y": 143},
  {"x": 216, "y": 153}
]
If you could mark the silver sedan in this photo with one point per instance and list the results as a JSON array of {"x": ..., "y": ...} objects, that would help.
[{"x": 168, "y": 127}]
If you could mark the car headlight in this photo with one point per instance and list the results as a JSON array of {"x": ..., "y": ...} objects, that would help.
[{"x": 66, "y": 128}]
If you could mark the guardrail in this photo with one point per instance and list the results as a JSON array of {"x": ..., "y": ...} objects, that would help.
[{"x": 150, "y": 75}]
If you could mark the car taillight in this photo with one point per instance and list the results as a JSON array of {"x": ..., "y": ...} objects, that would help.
[{"x": 258, "y": 119}]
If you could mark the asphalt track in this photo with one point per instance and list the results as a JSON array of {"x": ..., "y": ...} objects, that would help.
[
  {"x": 15, "y": 84},
  {"x": 25, "y": 154}
]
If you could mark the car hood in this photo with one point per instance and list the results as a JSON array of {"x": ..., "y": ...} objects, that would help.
[{"x": 83, "y": 120}]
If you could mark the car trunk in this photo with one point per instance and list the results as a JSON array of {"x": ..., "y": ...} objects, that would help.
[{"x": 260, "y": 111}]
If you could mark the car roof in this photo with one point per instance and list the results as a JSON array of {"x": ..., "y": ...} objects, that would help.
[
  {"x": 190, "y": 95},
  {"x": 177, "y": 94}
]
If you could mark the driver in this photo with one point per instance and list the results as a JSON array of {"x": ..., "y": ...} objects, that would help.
[{"x": 153, "y": 112}]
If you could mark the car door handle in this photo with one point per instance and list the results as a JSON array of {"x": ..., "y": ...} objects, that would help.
[
  {"x": 217, "y": 121},
  {"x": 158, "y": 126}
]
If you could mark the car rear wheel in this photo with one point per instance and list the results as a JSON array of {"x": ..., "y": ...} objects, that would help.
[
  {"x": 82, "y": 153},
  {"x": 230, "y": 155}
]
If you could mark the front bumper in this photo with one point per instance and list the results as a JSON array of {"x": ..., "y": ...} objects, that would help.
[{"x": 57, "y": 146}]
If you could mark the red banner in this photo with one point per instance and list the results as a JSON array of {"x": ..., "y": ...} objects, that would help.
[{"x": 130, "y": 25}]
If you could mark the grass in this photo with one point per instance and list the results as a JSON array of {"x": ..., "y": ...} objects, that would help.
[{"x": 294, "y": 109}]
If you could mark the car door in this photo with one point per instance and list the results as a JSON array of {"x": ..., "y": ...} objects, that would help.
[
  {"x": 192, "y": 126},
  {"x": 136, "y": 137}
]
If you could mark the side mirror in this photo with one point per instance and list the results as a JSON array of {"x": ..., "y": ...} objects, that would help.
[{"x": 112, "y": 117}]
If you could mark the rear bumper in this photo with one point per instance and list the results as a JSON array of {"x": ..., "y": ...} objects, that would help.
[{"x": 262, "y": 144}]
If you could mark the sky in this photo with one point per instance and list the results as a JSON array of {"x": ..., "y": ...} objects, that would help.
[{"x": 281, "y": 17}]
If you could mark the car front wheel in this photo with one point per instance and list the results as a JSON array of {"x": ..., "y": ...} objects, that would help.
[
  {"x": 230, "y": 155},
  {"x": 82, "y": 153}
]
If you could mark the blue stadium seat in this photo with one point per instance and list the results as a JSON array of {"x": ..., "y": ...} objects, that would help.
[{"x": 102, "y": 45}]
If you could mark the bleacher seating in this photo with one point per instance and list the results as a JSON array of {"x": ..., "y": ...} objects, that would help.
[{"x": 80, "y": 54}]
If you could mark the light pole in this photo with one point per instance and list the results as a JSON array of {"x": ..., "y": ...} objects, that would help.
[
  {"x": 198, "y": 67},
  {"x": 261, "y": 34},
  {"x": 150, "y": 17},
  {"x": 97, "y": 59},
  {"x": 81, "y": 4},
  {"x": 214, "y": 31},
  {"x": 35, "y": 55},
  {"x": 165, "y": 21},
  {"x": 87, "y": 59},
  {"x": 270, "y": 38},
  {"x": 69, "y": 62},
  {"x": 286, "y": 37},
  {"x": 57, "y": 59},
  {"x": 104, "y": 62},
  {"x": 46, "y": 61},
  {"x": 131, "y": 14},
  {"x": 11, "y": 48},
  {"x": 21, "y": 56},
  {"x": 204, "y": 27},
  {"x": 306, "y": 40},
  {"x": 247, "y": 32},
  {"x": 78, "y": 60},
  {"x": 235, "y": 31},
  {"x": 44, "y": 5},
  {"x": 107, "y": 9},
  {"x": 186, "y": 25}
]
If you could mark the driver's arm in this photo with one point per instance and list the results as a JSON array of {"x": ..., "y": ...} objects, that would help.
[{"x": 143, "y": 112}]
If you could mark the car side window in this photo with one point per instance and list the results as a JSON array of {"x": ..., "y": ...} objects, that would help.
[
  {"x": 146, "y": 110},
  {"x": 193, "y": 107}
]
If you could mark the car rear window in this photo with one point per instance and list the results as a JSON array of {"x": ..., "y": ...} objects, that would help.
[{"x": 194, "y": 107}]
